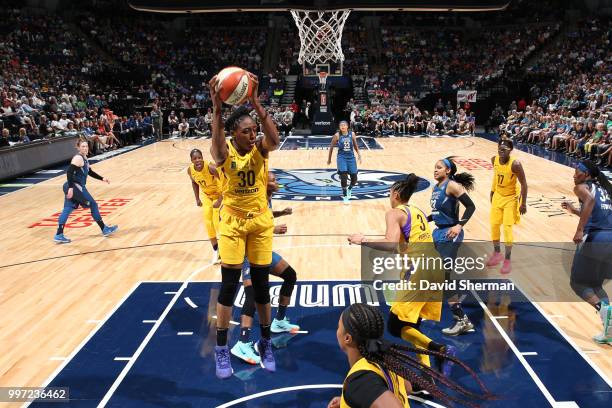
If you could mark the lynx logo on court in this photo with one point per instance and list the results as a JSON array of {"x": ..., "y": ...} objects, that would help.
[{"x": 324, "y": 184}]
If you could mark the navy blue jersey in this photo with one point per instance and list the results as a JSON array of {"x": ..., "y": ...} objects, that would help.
[
  {"x": 601, "y": 217},
  {"x": 445, "y": 207},
  {"x": 80, "y": 176},
  {"x": 345, "y": 145}
]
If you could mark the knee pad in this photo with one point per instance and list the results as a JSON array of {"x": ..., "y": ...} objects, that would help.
[
  {"x": 289, "y": 278},
  {"x": 343, "y": 179},
  {"x": 508, "y": 236},
  {"x": 495, "y": 232},
  {"x": 248, "y": 308},
  {"x": 260, "y": 278},
  {"x": 353, "y": 179},
  {"x": 230, "y": 280}
]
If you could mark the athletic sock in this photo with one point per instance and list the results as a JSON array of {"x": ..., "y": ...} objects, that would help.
[
  {"x": 101, "y": 224},
  {"x": 60, "y": 229},
  {"x": 433, "y": 346},
  {"x": 280, "y": 313},
  {"x": 222, "y": 337},
  {"x": 458, "y": 310},
  {"x": 245, "y": 334},
  {"x": 265, "y": 331}
]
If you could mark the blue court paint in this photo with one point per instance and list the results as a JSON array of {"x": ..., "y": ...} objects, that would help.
[
  {"x": 322, "y": 143},
  {"x": 324, "y": 184},
  {"x": 178, "y": 371}
]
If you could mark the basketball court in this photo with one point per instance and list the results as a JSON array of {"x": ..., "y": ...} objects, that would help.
[
  {"x": 129, "y": 320},
  {"x": 126, "y": 320}
]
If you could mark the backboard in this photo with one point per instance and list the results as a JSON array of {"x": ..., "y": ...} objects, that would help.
[{"x": 204, "y": 6}]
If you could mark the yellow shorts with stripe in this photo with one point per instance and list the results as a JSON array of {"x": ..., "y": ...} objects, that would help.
[
  {"x": 211, "y": 216},
  {"x": 505, "y": 209},
  {"x": 251, "y": 236}
]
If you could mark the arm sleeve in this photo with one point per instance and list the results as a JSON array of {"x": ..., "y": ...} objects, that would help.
[
  {"x": 469, "y": 208},
  {"x": 70, "y": 174},
  {"x": 95, "y": 175},
  {"x": 362, "y": 388}
]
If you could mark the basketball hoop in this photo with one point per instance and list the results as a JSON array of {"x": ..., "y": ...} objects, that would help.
[
  {"x": 320, "y": 35},
  {"x": 323, "y": 78}
]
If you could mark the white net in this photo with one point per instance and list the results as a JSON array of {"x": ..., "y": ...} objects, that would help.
[{"x": 320, "y": 35}]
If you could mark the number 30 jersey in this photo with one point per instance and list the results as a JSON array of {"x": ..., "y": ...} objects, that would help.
[{"x": 246, "y": 179}]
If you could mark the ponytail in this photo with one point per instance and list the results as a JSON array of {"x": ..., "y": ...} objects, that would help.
[
  {"x": 465, "y": 179},
  {"x": 593, "y": 171},
  {"x": 366, "y": 325},
  {"x": 406, "y": 187}
]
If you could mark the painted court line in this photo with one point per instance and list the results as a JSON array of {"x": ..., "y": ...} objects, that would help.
[
  {"x": 86, "y": 339},
  {"x": 500, "y": 317},
  {"x": 149, "y": 321},
  {"x": 309, "y": 387},
  {"x": 122, "y": 358},
  {"x": 521, "y": 358},
  {"x": 184, "y": 333},
  {"x": 567, "y": 338},
  {"x": 529, "y": 353},
  {"x": 301, "y": 332},
  {"x": 231, "y": 321},
  {"x": 148, "y": 338},
  {"x": 190, "y": 302},
  {"x": 169, "y": 293}
]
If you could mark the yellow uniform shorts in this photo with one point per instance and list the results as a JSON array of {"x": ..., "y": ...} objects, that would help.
[
  {"x": 211, "y": 216},
  {"x": 252, "y": 236},
  {"x": 504, "y": 209},
  {"x": 411, "y": 311}
]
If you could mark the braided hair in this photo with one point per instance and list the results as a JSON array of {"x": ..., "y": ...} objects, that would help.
[
  {"x": 366, "y": 325},
  {"x": 236, "y": 117},
  {"x": 405, "y": 188},
  {"x": 593, "y": 171},
  {"x": 465, "y": 179}
]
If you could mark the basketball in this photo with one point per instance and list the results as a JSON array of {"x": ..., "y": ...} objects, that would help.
[{"x": 234, "y": 85}]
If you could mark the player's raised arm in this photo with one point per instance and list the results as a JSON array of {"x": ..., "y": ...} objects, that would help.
[
  {"x": 195, "y": 187},
  {"x": 271, "y": 139},
  {"x": 333, "y": 143},
  {"x": 218, "y": 149}
]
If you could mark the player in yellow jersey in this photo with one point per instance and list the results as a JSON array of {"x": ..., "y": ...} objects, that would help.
[
  {"x": 508, "y": 201},
  {"x": 382, "y": 373},
  {"x": 246, "y": 223},
  {"x": 207, "y": 190},
  {"x": 407, "y": 228}
]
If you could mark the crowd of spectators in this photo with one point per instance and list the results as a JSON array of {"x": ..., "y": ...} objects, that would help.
[
  {"x": 416, "y": 62},
  {"x": 574, "y": 113},
  {"x": 383, "y": 121}
]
